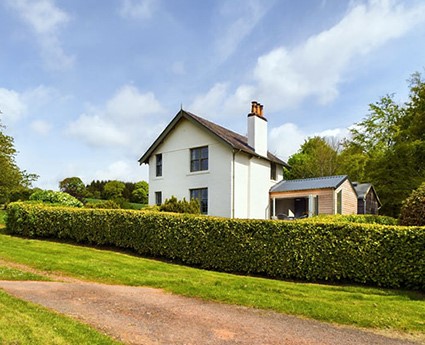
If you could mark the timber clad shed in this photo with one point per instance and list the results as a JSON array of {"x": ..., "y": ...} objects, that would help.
[
  {"x": 367, "y": 199},
  {"x": 307, "y": 197}
]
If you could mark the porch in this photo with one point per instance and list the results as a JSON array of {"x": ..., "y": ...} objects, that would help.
[{"x": 294, "y": 207}]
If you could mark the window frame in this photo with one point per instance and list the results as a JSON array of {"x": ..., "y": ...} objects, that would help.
[
  {"x": 158, "y": 198},
  {"x": 199, "y": 159},
  {"x": 158, "y": 165},
  {"x": 339, "y": 202},
  {"x": 200, "y": 194},
  {"x": 273, "y": 171}
]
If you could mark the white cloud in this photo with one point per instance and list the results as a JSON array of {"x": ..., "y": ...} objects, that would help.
[
  {"x": 138, "y": 9},
  {"x": 121, "y": 170},
  {"x": 287, "y": 139},
  {"x": 238, "y": 20},
  {"x": 41, "y": 127},
  {"x": 316, "y": 68},
  {"x": 12, "y": 105},
  {"x": 127, "y": 120},
  {"x": 46, "y": 20},
  {"x": 211, "y": 102}
]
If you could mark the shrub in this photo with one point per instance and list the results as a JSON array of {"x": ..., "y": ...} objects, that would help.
[
  {"x": 61, "y": 198},
  {"x": 354, "y": 218},
  {"x": 389, "y": 256},
  {"x": 181, "y": 206},
  {"x": 108, "y": 204},
  {"x": 413, "y": 208}
]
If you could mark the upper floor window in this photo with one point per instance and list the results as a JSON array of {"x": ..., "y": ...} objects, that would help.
[
  {"x": 158, "y": 158},
  {"x": 199, "y": 159},
  {"x": 273, "y": 171}
]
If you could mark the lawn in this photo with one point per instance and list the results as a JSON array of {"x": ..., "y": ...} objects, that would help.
[
  {"x": 386, "y": 309},
  {"x": 26, "y": 323}
]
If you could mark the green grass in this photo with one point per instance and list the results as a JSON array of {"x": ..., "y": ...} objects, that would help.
[
  {"x": 25, "y": 323},
  {"x": 351, "y": 305},
  {"x": 7, "y": 273}
]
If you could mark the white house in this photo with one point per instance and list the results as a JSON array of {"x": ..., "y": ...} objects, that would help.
[{"x": 229, "y": 173}]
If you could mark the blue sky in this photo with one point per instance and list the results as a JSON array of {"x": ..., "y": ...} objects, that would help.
[{"x": 87, "y": 85}]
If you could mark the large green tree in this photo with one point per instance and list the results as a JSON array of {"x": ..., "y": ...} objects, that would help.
[
  {"x": 387, "y": 148},
  {"x": 316, "y": 157},
  {"x": 73, "y": 186},
  {"x": 12, "y": 179}
]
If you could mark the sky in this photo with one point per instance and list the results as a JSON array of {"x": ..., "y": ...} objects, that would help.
[{"x": 86, "y": 86}]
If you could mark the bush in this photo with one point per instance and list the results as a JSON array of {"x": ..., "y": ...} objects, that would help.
[
  {"x": 413, "y": 208},
  {"x": 389, "y": 256},
  {"x": 51, "y": 197},
  {"x": 181, "y": 206},
  {"x": 108, "y": 204},
  {"x": 353, "y": 218}
]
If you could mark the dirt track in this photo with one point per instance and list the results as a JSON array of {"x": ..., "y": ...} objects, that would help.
[{"x": 138, "y": 315}]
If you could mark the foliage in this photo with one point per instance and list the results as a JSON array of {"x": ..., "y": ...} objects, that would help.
[
  {"x": 390, "y": 256},
  {"x": 354, "y": 305},
  {"x": 392, "y": 141},
  {"x": 2, "y": 217},
  {"x": 316, "y": 157},
  {"x": 12, "y": 178},
  {"x": 386, "y": 148},
  {"x": 180, "y": 206},
  {"x": 61, "y": 198},
  {"x": 353, "y": 218},
  {"x": 413, "y": 208},
  {"x": 140, "y": 192},
  {"x": 113, "y": 190},
  {"x": 73, "y": 186},
  {"x": 103, "y": 204}
]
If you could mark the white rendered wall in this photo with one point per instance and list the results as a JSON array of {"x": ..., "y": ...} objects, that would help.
[
  {"x": 252, "y": 185},
  {"x": 176, "y": 177},
  {"x": 257, "y": 134}
]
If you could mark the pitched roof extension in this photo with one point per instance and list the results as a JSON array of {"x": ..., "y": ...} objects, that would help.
[
  {"x": 232, "y": 139},
  {"x": 362, "y": 189},
  {"x": 309, "y": 183}
]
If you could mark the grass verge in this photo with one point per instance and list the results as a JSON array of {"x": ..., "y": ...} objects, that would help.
[
  {"x": 25, "y": 323},
  {"x": 385, "y": 309},
  {"x": 7, "y": 273}
]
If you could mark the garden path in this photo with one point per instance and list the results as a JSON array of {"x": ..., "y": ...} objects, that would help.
[{"x": 140, "y": 315}]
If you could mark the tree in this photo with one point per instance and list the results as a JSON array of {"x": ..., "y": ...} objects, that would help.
[
  {"x": 413, "y": 209},
  {"x": 12, "y": 179},
  {"x": 140, "y": 192},
  {"x": 316, "y": 157},
  {"x": 73, "y": 186},
  {"x": 388, "y": 147},
  {"x": 113, "y": 190}
]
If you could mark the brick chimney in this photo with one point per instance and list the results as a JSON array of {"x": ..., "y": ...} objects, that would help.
[{"x": 257, "y": 129}]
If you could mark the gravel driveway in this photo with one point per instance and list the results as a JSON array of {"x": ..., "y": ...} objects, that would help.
[{"x": 139, "y": 315}]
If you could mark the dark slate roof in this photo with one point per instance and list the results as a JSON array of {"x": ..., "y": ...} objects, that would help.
[
  {"x": 234, "y": 140},
  {"x": 362, "y": 189},
  {"x": 309, "y": 183}
]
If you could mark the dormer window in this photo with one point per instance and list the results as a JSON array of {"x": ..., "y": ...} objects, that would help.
[{"x": 199, "y": 159}]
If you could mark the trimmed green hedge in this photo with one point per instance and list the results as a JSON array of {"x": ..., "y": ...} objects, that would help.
[
  {"x": 353, "y": 218},
  {"x": 389, "y": 256}
]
